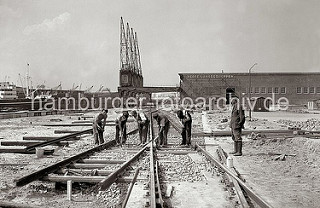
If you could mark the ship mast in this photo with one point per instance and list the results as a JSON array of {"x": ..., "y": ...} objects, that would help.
[{"x": 27, "y": 80}]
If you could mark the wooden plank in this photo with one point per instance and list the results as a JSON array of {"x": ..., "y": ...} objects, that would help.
[
  {"x": 184, "y": 152},
  {"x": 86, "y": 179},
  {"x": 54, "y": 167},
  {"x": 86, "y": 171},
  {"x": 91, "y": 121},
  {"x": 244, "y": 132},
  {"x": 22, "y": 150},
  {"x": 174, "y": 121},
  {"x": 29, "y": 143},
  {"x": 42, "y": 138},
  {"x": 62, "y": 125},
  {"x": 89, "y": 166},
  {"x": 125, "y": 201},
  {"x": 63, "y": 138},
  {"x": 120, "y": 150},
  {"x": 106, "y": 182},
  {"x": 175, "y": 149},
  {"x": 64, "y": 131},
  {"x": 254, "y": 196},
  {"x": 57, "y": 166},
  {"x": 242, "y": 198},
  {"x": 103, "y": 161}
]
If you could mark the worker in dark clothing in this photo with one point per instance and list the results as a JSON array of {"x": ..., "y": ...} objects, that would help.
[
  {"x": 99, "y": 123},
  {"x": 121, "y": 128},
  {"x": 186, "y": 121},
  {"x": 164, "y": 126},
  {"x": 143, "y": 125},
  {"x": 236, "y": 125}
]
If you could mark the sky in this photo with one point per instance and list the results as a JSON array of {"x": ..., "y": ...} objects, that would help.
[{"x": 76, "y": 42}]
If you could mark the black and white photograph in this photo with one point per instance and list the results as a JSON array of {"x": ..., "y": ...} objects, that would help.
[{"x": 160, "y": 104}]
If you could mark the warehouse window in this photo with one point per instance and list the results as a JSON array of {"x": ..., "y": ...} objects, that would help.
[
  {"x": 251, "y": 90},
  {"x": 318, "y": 89},
  {"x": 283, "y": 90},
  {"x": 263, "y": 90},
  {"x": 311, "y": 90},
  {"x": 269, "y": 90},
  {"x": 276, "y": 90},
  {"x": 305, "y": 90},
  {"x": 256, "y": 90},
  {"x": 299, "y": 90}
]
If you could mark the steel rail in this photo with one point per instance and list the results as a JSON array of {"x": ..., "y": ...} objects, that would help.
[
  {"x": 152, "y": 181},
  {"x": 125, "y": 201},
  {"x": 63, "y": 138},
  {"x": 160, "y": 201},
  {"x": 238, "y": 190},
  {"x": 67, "y": 137},
  {"x": 57, "y": 166},
  {"x": 52, "y": 168},
  {"x": 106, "y": 183},
  {"x": 255, "y": 197}
]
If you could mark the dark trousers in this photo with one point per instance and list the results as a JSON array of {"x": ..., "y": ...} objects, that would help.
[
  {"x": 123, "y": 135},
  {"x": 98, "y": 137},
  {"x": 143, "y": 132},
  {"x": 186, "y": 136},
  {"x": 163, "y": 136},
  {"x": 236, "y": 134}
]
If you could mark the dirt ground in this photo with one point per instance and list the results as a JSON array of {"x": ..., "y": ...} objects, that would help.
[
  {"x": 293, "y": 182},
  {"x": 40, "y": 193}
]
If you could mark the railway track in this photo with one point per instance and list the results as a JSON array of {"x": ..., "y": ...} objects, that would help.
[{"x": 150, "y": 176}]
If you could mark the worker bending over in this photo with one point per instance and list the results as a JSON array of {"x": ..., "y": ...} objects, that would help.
[
  {"x": 143, "y": 125},
  {"x": 164, "y": 125},
  {"x": 121, "y": 128},
  {"x": 99, "y": 123}
]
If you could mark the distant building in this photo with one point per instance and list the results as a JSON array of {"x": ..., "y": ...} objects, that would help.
[{"x": 298, "y": 88}]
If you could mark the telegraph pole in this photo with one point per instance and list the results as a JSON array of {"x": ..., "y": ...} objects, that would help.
[{"x": 250, "y": 90}]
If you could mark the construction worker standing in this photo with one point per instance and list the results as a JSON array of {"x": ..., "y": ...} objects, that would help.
[
  {"x": 121, "y": 128},
  {"x": 99, "y": 123},
  {"x": 236, "y": 125},
  {"x": 164, "y": 126},
  {"x": 143, "y": 125},
  {"x": 186, "y": 121}
]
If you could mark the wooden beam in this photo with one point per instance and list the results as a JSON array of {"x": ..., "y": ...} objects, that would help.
[
  {"x": 86, "y": 179},
  {"x": 64, "y": 131},
  {"x": 184, "y": 152},
  {"x": 244, "y": 132},
  {"x": 81, "y": 124},
  {"x": 54, "y": 167},
  {"x": 106, "y": 182},
  {"x": 122, "y": 150},
  {"x": 125, "y": 201},
  {"x": 242, "y": 198},
  {"x": 262, "y": 203},
  {"x": 42, "y": 138},
  {"x": 22, "y": 150},
  {"x": 86, "y": 171},
  {"x": 89, "y": 166},
  {"x": 29, "y": 143},
  {"x": 103, "y": 161},
  {"x": 63, "y": 138}
]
